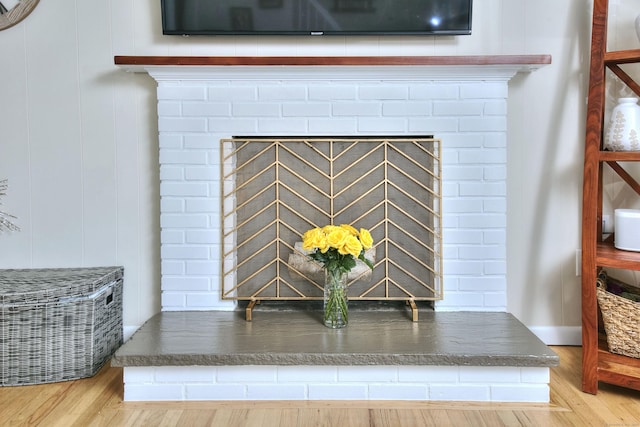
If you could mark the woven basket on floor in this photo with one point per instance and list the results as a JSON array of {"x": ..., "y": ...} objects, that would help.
[
  {"x": 621, "y": 319},
  {"x": 58, "y": 324}
]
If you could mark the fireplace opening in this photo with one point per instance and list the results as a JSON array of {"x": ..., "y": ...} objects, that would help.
[{"x": 274, "y": 189}]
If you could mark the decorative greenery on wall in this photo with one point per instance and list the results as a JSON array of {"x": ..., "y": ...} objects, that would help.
[{"x": 5, "y": 218}]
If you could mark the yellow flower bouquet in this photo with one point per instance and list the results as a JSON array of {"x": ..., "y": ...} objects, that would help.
[{"x": 337, "y": 248}]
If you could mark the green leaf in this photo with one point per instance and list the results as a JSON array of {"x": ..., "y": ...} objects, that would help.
[
  {"x": 348, "y": 263},
  {"x": 332, "y": 265},
  {"x": 366, "y": 261}
]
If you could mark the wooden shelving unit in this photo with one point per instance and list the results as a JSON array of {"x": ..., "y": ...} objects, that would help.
[{"x": 598, "y": 363}]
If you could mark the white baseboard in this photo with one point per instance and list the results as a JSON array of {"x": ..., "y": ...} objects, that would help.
[{"x": 558, "y": 335}]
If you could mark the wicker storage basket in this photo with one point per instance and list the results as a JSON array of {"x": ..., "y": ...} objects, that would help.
[
  {"x": 621, "y": 318},
  {"x": 58, "y": 324}
]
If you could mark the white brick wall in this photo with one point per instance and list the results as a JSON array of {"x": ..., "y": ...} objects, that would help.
[
  {"x": 488, "y": 384},
  {"x": 469, "y": 115}
]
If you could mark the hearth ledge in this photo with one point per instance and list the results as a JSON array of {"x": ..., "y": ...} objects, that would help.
[{"x": 219, "y": 338}]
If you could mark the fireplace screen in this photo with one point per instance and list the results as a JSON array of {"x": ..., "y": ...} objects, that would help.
[{"x": 273, "y": 190}]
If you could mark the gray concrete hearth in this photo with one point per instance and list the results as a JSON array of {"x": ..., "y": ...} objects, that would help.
[
  {"x": 297, "y": 337},
  {"x": 380, "y": 355}
]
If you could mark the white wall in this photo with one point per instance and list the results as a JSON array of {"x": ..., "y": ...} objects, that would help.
[{"x": 78, "y": 140}]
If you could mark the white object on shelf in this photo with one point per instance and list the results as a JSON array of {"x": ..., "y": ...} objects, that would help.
[
  {"x": 627, "y": 225},
  {"x": 623, "y": 132}
]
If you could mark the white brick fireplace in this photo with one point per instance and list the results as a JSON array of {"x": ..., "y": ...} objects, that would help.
[{"x": 463, "y": 105}]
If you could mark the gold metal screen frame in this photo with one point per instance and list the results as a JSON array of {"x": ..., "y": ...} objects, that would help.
[{"x": 309, "y": 182}]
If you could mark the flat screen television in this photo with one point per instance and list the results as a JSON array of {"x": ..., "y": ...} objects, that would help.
[{"x": 316, "y": 17}]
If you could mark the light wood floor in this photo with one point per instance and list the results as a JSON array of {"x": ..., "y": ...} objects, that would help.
[{"x": 97, "y": 402}]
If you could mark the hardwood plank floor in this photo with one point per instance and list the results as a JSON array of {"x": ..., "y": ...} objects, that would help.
[{"x": 97, "y": 402}]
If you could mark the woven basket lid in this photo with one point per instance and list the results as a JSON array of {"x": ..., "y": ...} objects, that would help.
[{"x": 36, "y": 286}]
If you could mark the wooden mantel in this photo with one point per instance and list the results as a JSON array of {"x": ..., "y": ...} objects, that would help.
[{"x": 534, "y": 61}]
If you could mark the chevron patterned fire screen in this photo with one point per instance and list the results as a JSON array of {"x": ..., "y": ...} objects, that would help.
[{"x": 273, "y": 190}]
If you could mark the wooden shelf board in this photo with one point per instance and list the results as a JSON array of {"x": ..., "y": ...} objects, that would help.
[
  {"x": 608, "y": 256},
  {"x": 620, "y": 156},
  {"x": 532, "y": 60},
  {"x": 617, "y": 369},
  {"x": 622, "y": 56}
]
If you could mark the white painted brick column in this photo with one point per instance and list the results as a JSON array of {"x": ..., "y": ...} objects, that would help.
[{"x": 466, "y": 109}]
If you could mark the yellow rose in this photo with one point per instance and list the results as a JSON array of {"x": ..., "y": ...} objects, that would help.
[
  {"x": 314, "y": 239},
  {"x": 336, "y": 237},
  {"x": 351, "y": 246},
  {"x": 350, "y": 229},
  {"x": 327, "y": 229},
  {"x": 366, "y": 239},
  {"x": 323, "y": 244}
]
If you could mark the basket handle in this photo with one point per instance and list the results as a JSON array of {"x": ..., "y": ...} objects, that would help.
[{"x": 601, "y": 281}]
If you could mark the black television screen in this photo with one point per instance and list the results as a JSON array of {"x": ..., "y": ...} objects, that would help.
[{"x": 316, "y": 17}]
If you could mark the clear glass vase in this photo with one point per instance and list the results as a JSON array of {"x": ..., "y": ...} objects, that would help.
[{"x": 336, "y": 310}]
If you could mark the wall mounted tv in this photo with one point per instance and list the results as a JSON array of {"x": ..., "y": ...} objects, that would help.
[{"x": 316, "y": 17}]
